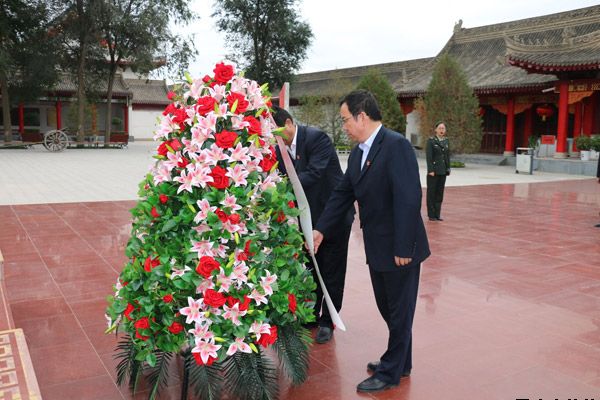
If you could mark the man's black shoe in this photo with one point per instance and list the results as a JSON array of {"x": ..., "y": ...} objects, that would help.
[
  {"x": 324, "y": 334},
  {"x": 372, "y": 367},
  {"x": 597, "y": 225},
  {"x": 439, "y": 219},
  {"x": 432, "y": 219},
  {"x": 373, "y": 384}
]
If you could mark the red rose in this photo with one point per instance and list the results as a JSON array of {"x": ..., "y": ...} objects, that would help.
[
  {"x": 206, "y": 104},
  {"x": 150, "y": 264},
  {"x": 168, "y": 298},
  {"x": 175, "y": 328},
  {"x": 242, "y": 256},
  {"x": 199, "y": 359},
  {"x": 280, "y": 217},
  {"x": 154, "y": 212},
  {"x": 268, "y": 339},
  {"x": 242, "y": 103},
  {"x": 291, "y": 204},
  {"x": 232, "y": 301},
  {"x": 221, "y": 214},
  {"x": 207, "y": 265},
  {"x": 247, "y": 248},
  {"x": 223, "y": 73},
  {"x": 213, "y": 298},
  {"x": 142, "y": 323},
  {"x": 171, "y": 95},
  {"x": 220, "y": 181},
  {"x": 162, "y": 149},
  {"x": 254, "y": 128},
  {"x": 267, "y": 163},
  {"x": 206, "y": 79},
  {"x": 234, "y": 218},
  {"x": 130, "y": 308},
  {"x": 163, "y": 198},
  {"x": 183, "y": 163},
  {"x": 140, "y": 336},
  {"x": 179, "y": 117},
  {"x": 292, "y": 303},
  {"x": 175, "y": 144},
  {"x": 226, "y": 139},
  {"x": 170, "y": 109}
]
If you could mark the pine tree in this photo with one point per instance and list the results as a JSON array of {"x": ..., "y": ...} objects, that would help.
[
  {"x": 381, "y": 88},
  {"x": 450, "y": 99}
]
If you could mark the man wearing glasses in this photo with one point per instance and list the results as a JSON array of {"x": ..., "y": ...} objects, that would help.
[{"x": 383, "y": 177}]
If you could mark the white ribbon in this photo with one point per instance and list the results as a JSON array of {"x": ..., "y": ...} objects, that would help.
[{"x": 306, "y": 224}]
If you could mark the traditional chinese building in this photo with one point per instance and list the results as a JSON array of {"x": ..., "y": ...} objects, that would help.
[
  {"x": 536, "y": 76},
  {"x": 136, "y": 103}
]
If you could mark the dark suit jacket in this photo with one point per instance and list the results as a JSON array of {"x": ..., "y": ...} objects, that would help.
[
  {"x": 318, "y": 169},
  {"x": 388, "y": 191},
  {"x": 437, "y": 153}
]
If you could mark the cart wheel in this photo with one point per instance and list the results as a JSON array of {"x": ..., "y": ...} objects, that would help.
[{"x": 56, "y": 140}]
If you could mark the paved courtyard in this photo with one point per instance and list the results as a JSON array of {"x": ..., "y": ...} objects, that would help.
[{"x": 509, "y": 302}]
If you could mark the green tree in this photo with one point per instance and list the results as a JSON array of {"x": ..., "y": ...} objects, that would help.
[
  {"x": 449, "y": 98},
  {"x": 26, "y": 55},
  {"x": 375, "y": 82},
  {"x": 138, "y": 33},
  {"x": 323, "y": 110},
  {"x": 266, "y": 37},
  {"x": 77, "y": 24}
]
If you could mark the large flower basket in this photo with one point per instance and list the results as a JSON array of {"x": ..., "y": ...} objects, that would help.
[{"x": 216, "y": 268}]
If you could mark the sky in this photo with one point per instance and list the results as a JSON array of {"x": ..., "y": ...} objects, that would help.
[{"x": 350, "y": 33}]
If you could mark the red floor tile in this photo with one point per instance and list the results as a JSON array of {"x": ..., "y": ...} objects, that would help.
[{"x": 507, "y": 308}]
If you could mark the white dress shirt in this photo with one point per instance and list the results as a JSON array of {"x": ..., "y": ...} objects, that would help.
[
  {"x": 366, "y": 146},
  {"x": 292, "y": 147}
]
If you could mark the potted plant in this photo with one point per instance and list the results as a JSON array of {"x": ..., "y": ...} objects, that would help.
[
  {"x": 534, "y": 144},
  {"x": 584, "y": 144},
  {"x": 595, "y": 147}
]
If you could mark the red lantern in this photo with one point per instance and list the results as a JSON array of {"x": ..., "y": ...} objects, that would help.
[{"x": 545, "y": 111}]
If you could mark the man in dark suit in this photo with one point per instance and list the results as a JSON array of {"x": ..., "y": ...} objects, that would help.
[
  {"x": 383, "y": 176},
  {"x": 318, "y": 168}
]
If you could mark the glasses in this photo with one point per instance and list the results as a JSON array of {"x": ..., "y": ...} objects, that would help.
[{"x": 346, "y": 119}]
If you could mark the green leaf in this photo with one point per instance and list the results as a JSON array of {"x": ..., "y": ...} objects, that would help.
[
  {"x": 170, "y": 224},
  {"x": 151, "y": 359}
]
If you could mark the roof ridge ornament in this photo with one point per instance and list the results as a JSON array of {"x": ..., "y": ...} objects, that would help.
[{"x": 458, "y": 26}]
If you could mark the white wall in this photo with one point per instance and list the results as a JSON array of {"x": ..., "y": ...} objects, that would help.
[
  {"x": 142, "y": 123},
  {"x": 412, "y": 128}
]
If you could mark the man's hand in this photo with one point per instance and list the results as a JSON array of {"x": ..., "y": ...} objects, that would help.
[
  {"x": 431, "y": 174},
  {"x": 317, "y": 239},
  {"x": 400, "y": 261}
]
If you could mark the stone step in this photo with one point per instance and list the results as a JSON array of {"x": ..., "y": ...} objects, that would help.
[{"x": 17, "y": 376}]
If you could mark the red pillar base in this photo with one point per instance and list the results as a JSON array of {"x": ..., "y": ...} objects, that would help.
[
  {"x": 508, "y": 153},
  {"x": 561, "y": 155}
]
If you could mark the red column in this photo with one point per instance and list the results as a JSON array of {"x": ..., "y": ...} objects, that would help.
[
  {"x": 594, "y": 109},
  {"x": 576, "y": 125},
  {"x": 563, "y": 120},
  {"x": 528, "y": 128},
  {"x": 21, "y": 118},
  {"x": 126, "y": 118},
  {"x": 588, "y": 116},
  {"x": 58, "y": 114},
  {"x": 510, "y": 128}
]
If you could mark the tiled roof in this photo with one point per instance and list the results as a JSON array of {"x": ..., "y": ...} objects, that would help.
[
  {"x": 68, "y": 83},
  {"x": 148, "y": 91},
  {"x": 316, "y": 83},
  {"x": 482, "y": 51},
  {"x": 566, "y": 49}
]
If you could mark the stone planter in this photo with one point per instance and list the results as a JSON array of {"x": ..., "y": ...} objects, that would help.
[{"x": 585, "y": 155}]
